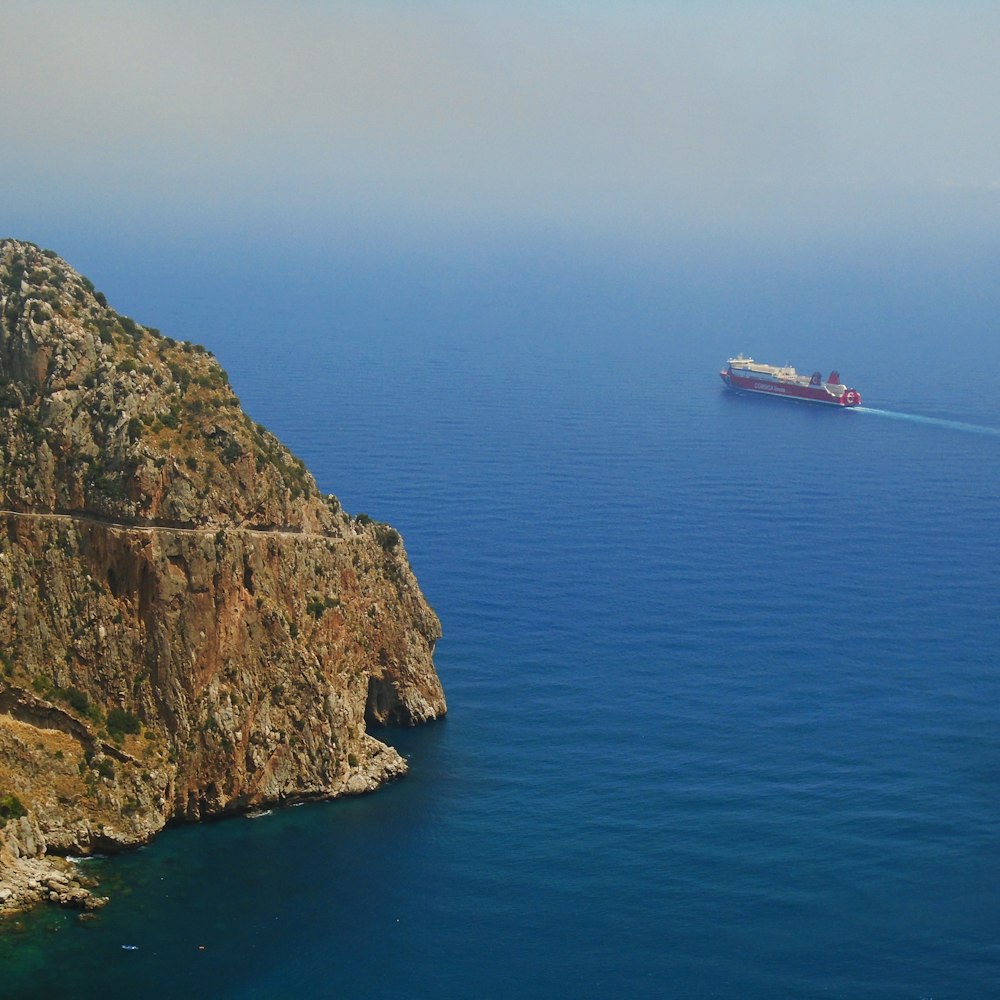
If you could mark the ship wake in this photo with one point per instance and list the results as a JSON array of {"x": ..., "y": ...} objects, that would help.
[{"x": 955, "y": 425}]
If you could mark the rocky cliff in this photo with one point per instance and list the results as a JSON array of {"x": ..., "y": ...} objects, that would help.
[{"x": 188, "y": 627}]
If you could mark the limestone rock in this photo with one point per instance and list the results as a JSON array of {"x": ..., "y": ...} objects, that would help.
[{"x": 188, "y": 627}]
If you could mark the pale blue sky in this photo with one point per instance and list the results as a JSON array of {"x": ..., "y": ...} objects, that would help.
[{"x": 778, "y": 118}]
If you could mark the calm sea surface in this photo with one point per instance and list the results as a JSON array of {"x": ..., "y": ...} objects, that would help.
[{"x": 722, "y": 672}]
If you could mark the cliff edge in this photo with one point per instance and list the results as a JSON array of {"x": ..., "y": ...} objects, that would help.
[{"x": 188, "y": 627}]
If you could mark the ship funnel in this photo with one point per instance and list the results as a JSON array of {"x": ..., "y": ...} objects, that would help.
[
  {"x": 834, "y": 378},
  {"x": 815, "y": 380}
]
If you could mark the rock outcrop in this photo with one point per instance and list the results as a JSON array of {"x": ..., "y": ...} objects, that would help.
[{"x": 188, "y": 627}]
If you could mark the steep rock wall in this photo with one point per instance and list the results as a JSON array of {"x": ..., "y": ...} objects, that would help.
[{"x": 188, "y": 627}]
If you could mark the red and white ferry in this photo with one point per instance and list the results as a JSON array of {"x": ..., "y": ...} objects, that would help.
[{"x": 746, "y": 375}]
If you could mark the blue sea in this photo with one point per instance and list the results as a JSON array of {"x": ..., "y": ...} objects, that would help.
[{"x": 722, "y": 671}]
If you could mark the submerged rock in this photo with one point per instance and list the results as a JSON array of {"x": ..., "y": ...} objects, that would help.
[{"x": 188, "y": 627}]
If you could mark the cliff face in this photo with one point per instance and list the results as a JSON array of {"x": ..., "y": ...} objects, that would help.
[{"x": 187, "y": 626}]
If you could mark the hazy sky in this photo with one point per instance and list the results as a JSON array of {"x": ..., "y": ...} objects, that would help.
[{"x": 780, "y": 117}]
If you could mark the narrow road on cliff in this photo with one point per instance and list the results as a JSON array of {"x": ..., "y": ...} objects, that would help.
[{"x": 83, "y": 518}]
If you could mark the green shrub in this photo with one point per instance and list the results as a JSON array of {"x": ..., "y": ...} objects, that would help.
[
  {"x": 121, "y": 722},
  {"x": 389, "y": 539},
  {"x": 75, "y": 698},
  {"x": 10, "y": 808},
  {"x": 179, "y": 374},
  {"x": 15, "y": 277},
  {"x": 317, "y": 606}
]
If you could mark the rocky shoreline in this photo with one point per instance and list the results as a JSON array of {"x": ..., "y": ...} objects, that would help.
[{"x": 30, "y": 877}]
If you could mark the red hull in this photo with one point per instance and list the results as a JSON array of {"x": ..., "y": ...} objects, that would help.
[{"x": 805, "y": 393}]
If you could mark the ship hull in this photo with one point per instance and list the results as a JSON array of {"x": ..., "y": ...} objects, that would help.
[{"x": 781, "y": 390}]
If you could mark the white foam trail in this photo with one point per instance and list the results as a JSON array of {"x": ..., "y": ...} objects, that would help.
[{"x": 955, "y": 425}]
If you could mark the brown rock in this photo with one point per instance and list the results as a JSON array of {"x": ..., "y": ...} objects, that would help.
[{"x": 189, "y": 627}]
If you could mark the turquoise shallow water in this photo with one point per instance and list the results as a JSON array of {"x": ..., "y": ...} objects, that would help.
[{"x": 722, "y": 671}]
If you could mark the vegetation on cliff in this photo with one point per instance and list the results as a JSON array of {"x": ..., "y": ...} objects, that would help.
[
  {"x": 104, "y": 415},
  {"x": 188, "y": 626}
]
